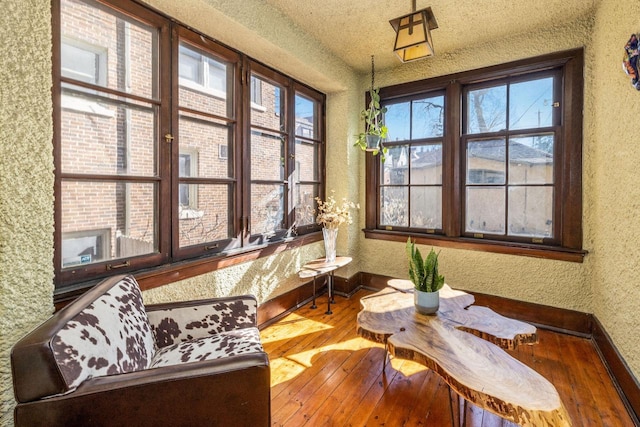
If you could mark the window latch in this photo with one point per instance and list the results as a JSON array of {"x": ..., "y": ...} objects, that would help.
[{"x": 168, "y": 137}]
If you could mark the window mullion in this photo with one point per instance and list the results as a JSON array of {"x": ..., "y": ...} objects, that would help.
[
  {"x": 507, "y": 154},
  {"x": 452, "y": 165}
]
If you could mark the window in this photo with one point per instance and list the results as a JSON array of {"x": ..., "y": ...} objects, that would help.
[
  {"x": 188, "y": 194},
  {"x": 148, "y": 152},
  {"x": 487, "y": 159},
  {"x": 256, "y": 91},
  {"x": 83, "y": 247},
  {"x": 283, "y": 148},
  {"x": 510, "y": 133},
  {"x": 83, "y": 61},
  {"x": 201, "y": 72},
  {"x": 308, "y": 152},
  {"x": 411, "y": 181}
]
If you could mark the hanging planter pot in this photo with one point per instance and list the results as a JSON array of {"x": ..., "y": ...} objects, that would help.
[{"x": 373, "y": 142}]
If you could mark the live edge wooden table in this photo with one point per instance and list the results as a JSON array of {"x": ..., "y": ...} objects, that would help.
[
  {"x": 464, "y": 345},
  {"x": 319, "y": 267}
]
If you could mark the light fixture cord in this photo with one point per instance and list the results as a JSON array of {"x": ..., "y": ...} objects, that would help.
[{"x": 413, "y": 5}]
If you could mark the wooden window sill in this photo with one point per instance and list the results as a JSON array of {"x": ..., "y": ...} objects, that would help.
[
  {"x": 509, "y": 248},
  {"x": 173, "y": 272}
]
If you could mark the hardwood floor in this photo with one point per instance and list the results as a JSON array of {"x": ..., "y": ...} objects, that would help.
[{"x": 323, "y": 374}]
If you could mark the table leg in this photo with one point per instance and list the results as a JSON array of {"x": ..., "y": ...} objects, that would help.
[
  {"x": 329, "y": 296},
  {"x": 386, "y": 355},
  {"x": 453, "y": 420},
  {"x": 313, "y": 304},
  {"x": 461, "y": 413},
  {"x": 332, "y": 293}
]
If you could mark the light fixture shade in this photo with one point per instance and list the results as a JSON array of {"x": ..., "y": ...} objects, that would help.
[{"x": 413, "y": 35}]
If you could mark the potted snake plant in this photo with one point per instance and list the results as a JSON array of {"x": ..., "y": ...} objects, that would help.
[{"x": 423, "y": 272}]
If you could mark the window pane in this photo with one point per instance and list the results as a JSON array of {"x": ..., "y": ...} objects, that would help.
[
  {"x": 486, "y": 162},
  {"x": 102, "y": 221},
  {"x": 531, "y": 211},
  {"x": 531, "y": 159},
  {"x": 267, "y": 209},
  {"x": 206, "y": 82},
  {"x": 306, "y": 161},
  {"x": 426, "y": 207},
  {"x": 271, "y": 115},
  {"x": 202, "y": 141},
  {"x": 427, "y": 118},
  {"x": 305, "y": 117},
  {"x": 208, "y": 215},
  {"x": 108, "y": 138},
  {"x": 485, "y": 210},
  {"x": 124, "y": 49},
  {"x": 426, "y": 164},
  {"x": 398, "y": 121},
  {"x": 487, "y": 109},
  {"x": 267, "y": 156},
  {"x": 395, "y": 167},
  {"x": 531, "y": 104},
  {"x": 393, "y": 206},
  {"x": 305, "y": 204}
]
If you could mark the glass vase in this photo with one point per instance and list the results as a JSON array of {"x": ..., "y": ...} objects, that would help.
[{"x": 330, "y": 236}]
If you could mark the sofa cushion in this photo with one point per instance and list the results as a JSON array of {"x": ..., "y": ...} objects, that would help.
[
  {"x": 196, "y": 319},
  {"x": 225, "y": 344},
  {"x": 110, "y": 336}
]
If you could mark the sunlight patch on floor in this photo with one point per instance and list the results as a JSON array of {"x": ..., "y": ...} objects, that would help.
[
  {"x": 292, "y": 326},
  {"x": 289, "y": 366},
  {"x": 407, "y": 367}
]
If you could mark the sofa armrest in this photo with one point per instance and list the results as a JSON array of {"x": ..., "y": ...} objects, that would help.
[
  {"x": 230, "y": 391},
  {"x": 183, "y": 321}
]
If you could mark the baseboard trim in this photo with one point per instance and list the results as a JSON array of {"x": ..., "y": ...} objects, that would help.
[
  {"x": 561, "y": 320},
  {"x": 273, "y": 310},
  {"x": 627, "y": 385}
]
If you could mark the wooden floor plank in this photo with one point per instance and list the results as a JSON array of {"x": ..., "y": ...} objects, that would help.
[
  {"x": 309, "y": 345},
  {"x": 360, "y": 413},
  {"x": 323, "y": 374}
]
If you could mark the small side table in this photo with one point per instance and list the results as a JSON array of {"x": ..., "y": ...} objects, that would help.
[{"x": 319, "y": 267}]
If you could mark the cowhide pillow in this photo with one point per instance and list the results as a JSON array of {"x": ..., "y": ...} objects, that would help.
[{"x": 110, "y": 336}]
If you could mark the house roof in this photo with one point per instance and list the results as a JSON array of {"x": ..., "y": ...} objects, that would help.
[{"x": 492, "y": 150}]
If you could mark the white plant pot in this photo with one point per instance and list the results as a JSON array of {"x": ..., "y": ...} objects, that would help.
[{"x": 426, "y": 302}]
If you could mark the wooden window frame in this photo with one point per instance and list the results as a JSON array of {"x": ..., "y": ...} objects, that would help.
[
  {"x": 568, "y": 211},
  {"x": 170, "y": 262}
]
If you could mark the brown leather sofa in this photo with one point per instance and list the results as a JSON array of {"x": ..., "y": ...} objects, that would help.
[{"x": 107, "y": 360}]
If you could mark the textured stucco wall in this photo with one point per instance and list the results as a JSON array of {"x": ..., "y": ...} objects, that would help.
[
  {"x": 26, "y": 180},
  {"x": 611, "y": 193},
  {"x": 614, "y": 193},
  {"x": 554, "y": 283}
]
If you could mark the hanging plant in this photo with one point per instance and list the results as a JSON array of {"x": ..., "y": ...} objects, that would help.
[{"x": 374, "y": 129}]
